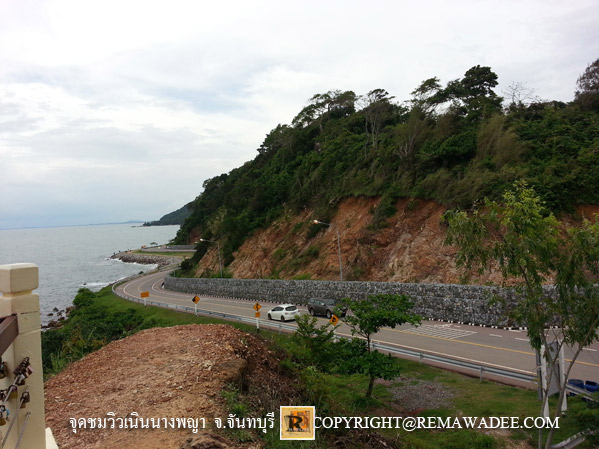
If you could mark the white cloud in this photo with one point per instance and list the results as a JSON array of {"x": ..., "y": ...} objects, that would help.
[{"x": 141, "y": 101}]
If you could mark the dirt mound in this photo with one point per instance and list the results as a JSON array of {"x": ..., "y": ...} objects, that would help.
[{"x": 176, "y": 372}]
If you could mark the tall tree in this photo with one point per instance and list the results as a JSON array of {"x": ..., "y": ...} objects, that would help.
[
  {"x": 410, "y": 135},
  {"x": 530, "y": 247},
  {"x": 587, "y": 92},
  {"x": 321, "y": 106},
  {"x": 473, "y": 96},
  {"x": 278, "y": 138},
  {"x": 478, "y": 95},
  {"x": 376, "y": 108},
  {"x": 427, "y": 96},
  {"x": 520, "y": 96}
]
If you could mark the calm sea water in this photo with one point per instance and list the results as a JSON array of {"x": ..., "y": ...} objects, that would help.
[{"x": 78, "y": 256}]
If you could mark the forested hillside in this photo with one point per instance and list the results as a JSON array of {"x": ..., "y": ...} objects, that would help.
[
  {"x": 174, "y": 218},
  {"x": 454, "y": 143}
]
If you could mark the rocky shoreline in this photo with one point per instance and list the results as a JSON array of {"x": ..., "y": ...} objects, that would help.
[
  {"x": 146, "y": 259},
  {"x": 124, "y": 256}
]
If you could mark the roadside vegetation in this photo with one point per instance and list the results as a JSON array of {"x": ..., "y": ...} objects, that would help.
[
  {"x": 99, "y": 318},
  {"x": 326, "y": 376},
  {"x": 530, "y": 246}
]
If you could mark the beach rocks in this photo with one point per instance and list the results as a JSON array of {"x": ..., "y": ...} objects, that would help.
[{"x": 146, "y": 259}]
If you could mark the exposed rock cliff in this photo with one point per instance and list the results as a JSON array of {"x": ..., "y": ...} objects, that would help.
[{"x": 409, "y": 248}]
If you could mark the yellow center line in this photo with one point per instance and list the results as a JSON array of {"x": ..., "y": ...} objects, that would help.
[{"x": 459, "y": 341}]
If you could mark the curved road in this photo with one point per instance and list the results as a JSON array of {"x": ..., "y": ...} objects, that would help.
[{"x": 496, "y": 347}]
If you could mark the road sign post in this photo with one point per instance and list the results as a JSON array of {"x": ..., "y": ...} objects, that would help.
[
  {"x": 195, "y": 300},
  {"x": 145, "y": 295},
  {"x": 257, "y": 308},
  {"x": 334, "y": 320}
]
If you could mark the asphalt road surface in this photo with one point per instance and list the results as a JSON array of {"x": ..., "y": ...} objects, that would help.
[{"x": 508, "y": 349}]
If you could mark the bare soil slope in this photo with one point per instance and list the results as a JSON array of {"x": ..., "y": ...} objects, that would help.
[{"x": 161, "y": 373}]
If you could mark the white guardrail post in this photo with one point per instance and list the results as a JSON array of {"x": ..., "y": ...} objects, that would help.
[{"x": 26, "y": 427}]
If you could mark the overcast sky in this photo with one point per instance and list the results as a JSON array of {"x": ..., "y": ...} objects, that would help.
[{"x": 116, "y": 110}]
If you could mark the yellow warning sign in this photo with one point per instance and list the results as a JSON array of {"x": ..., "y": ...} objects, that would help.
[
  {"x": 334, "y": 320},
  {"x": 257, "y": 314},
  {"x": 145, "y": 294},
  {"x": 257, "y": 307},
  {"x": 195, "y": 299}
]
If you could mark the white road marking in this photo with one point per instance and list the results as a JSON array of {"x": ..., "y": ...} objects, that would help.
[
  {"x": 589, "y": 349},
  {"x": 438, "y": 331},
  {"x": 522, "y": 339},
  {"x": 495, "y": 335}
]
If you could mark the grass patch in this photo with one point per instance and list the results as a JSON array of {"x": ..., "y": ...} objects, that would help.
[{"x": 102, "y": 317}]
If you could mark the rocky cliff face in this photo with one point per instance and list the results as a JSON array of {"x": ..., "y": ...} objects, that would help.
[{"x": 409, "y": 248}]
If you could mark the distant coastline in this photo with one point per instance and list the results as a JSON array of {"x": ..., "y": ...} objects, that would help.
[
  {"x": 131, "y": 222},
  {"x": 146, "y": 259}
]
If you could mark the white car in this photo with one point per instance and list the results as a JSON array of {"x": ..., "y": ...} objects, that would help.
[{"x": 283, "y": 312}]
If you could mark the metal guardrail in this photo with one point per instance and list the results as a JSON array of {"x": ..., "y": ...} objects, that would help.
[
  {"x": 456, "y": 363},
  {"x": 581, "y": 392},
  {"x": 225, "y": 316}
]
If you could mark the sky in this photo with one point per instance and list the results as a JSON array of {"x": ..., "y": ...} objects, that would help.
[{"x": 119, "y": 110}]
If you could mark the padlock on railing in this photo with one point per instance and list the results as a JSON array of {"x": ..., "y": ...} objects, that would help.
[
  {"x": 25, "y": 399},
  {"x": 3, "y": 411},
  {"x": 2, "y": 368},
  {"x": 19, "y": 380},
  {"x": 12, "y": 392},
  {"x": 22, "y": 372}
]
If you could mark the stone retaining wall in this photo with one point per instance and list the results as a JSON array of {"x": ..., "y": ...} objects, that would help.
[{"x": 448, "y": 302}]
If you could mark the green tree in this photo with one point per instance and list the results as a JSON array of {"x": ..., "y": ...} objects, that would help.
[
  {"x": 367, "y": 317},
  {"x": 587, "y": 92},
  {"x": 531, "y": 248},
  {"x": 473, "y": 95},
  {"x": 377, "y": 108},
  {"x": 322, "y": 106},
  {"x": 313, "y": 343},
  {"x": 427, "y": 96},
  {"x": 410, "y": 136}
]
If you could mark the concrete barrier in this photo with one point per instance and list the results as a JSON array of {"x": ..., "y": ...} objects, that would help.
[{"x": 17, "y": 282}]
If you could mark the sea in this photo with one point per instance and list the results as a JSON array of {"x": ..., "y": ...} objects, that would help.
[{"x": 73, "y": 257}]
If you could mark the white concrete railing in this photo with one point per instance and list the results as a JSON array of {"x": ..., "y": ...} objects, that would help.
[{"x": 26, "y": 427}]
